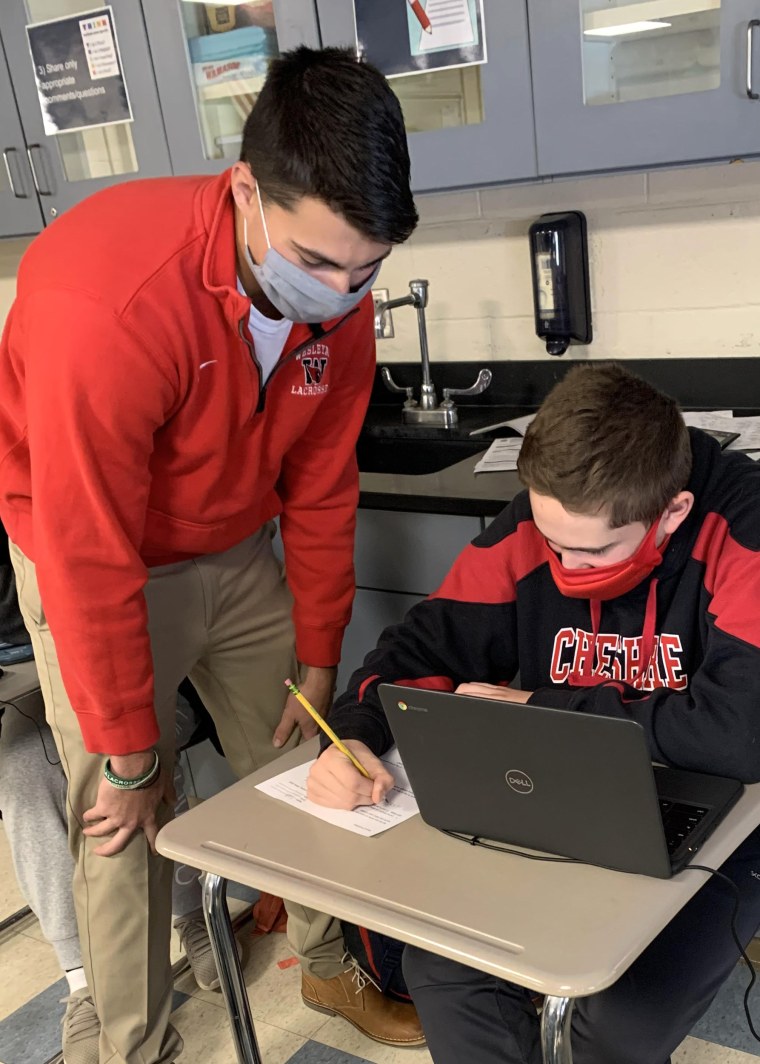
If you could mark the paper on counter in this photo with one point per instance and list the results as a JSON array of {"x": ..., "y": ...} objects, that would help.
[
  {"x": 500, "y": 456},
  {"x": 749, "y": 427},
  {"x": 707, "y": 419},
  {"x": 399, "y": 805},
  {"x": 519, "y": 424},
  {"x": 724, "y": 421}
]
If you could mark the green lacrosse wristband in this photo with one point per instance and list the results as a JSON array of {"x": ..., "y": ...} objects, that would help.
[{"x": 138, "y": 784}]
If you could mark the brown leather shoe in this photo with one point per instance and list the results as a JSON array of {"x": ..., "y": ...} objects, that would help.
[{"x": 354, "y": 997}]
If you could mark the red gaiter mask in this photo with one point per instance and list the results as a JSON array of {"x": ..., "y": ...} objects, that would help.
[{"x": 608, "y": 581}]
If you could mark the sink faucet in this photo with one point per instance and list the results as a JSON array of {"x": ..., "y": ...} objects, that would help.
[{"x": 426, "y": 411}]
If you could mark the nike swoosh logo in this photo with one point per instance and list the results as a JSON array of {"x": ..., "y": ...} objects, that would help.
[{"x": 204, "y": 364}]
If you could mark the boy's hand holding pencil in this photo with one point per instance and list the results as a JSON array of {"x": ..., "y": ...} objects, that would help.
[
  {"x": 348, "y": 773},
  {"x": 334, "y": 782}
]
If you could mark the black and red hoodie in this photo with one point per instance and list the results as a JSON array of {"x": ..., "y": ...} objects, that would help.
[{"x": 679, "y": 653}]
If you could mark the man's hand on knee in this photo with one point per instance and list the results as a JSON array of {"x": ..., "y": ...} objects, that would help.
[
  {"x": 120, "y": 813},
  {"x": 334, "y": 782}
]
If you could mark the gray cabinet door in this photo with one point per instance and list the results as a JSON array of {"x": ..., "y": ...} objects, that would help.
[
  {"x": 373, "y": 612},
  {"x": 20, "y": 212},
  {"x": 399, "y": 559},
  {"x": 471, "y": 126},
  {"x": 208, "y": 75},
  {"x": 408, "y": 552},
  {"x": 69, "y": 166},
  {"x": 614, "y": 88}
]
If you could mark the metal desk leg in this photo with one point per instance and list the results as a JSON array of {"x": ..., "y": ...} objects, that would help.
[
  {"x": 230, "y": 972},
  {"x": 555, "y": 1030}
]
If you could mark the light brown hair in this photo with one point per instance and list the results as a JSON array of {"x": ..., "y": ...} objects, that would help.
[{"x": 605, "y": 440}]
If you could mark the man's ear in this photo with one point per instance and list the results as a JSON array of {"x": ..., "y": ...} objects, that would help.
[
  {"x": 676, "y": 512},
  {"x": 243, "y": 185}
]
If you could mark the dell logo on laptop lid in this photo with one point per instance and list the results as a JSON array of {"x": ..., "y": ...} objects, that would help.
[{"x": 519, "y": 781}]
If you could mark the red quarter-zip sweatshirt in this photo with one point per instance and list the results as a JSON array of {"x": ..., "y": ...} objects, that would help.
[{"x": 134, "y": 431}]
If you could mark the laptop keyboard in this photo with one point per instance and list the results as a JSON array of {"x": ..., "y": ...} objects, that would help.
[{"x": 679, "y": 821}]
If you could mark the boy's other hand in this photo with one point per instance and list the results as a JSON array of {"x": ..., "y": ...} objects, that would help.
[{"x": 490, "y": 690}]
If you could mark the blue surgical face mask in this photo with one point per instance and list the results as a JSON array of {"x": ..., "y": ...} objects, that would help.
[{"x": 295, "y": 293}]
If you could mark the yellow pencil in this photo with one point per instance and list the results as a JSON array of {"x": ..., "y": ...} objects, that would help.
[{"x": 326, "y": 727}]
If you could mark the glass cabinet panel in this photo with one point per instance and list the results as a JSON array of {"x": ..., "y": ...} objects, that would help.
[
  {"x": 104, "y": 151},
  {"x": 642, "y": 49},
  {"x": 468, "y": 107},
  {"x": 229, "y": 48},
  {"x": 641, "y": 83},
  {"x": 441, "y": 99}
]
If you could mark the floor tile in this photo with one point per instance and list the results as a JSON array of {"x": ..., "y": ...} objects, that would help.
[
  {"x": 32, "y": 1034},
  {"x": 28, "y": 967},
  {"x": 274, "y": 993},
  {"x": 208, "y": 1040},
  {"x": 339, "y": 1034},
  {"x": 725, "y": 1021},
  {"x": 695, "y": 1051},
  {"x": 31, "y": 928},
  {"x": 178, "y": 999},
  {"x": 314, "y": 1053}
]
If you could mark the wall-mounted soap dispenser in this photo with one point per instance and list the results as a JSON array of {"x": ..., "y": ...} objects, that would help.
[{"x": 561, "y": 292}]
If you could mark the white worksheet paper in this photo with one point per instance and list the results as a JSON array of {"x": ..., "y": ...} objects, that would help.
[
  {"x": 399, "y": 805},
  {"x": 500, "y": 456}
]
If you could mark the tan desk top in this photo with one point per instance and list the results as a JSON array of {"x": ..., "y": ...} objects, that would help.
[{"x": 560, "y": 929}]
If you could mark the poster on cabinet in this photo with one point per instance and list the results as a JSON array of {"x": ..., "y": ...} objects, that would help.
[
  {"x": 77, "y": 67},
  {"x": 402, "y": 37}
]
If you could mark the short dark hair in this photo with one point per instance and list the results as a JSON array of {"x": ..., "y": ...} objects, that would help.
[
  {"x": 328, "y": 125},
  {"x": 606, "y": 440}
]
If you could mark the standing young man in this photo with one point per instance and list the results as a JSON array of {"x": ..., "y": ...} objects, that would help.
[
  {"x": 623, "y": 582},
  {"x": 186, "y": 360}
]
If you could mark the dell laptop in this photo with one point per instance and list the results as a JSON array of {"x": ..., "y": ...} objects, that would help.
[{"x": 554, "y": 780}]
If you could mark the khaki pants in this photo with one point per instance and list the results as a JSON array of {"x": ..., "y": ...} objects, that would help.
[{"x": 224, "y": 620}]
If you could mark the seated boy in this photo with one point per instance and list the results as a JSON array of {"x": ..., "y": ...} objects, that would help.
[{"x": 625, "y": 582}]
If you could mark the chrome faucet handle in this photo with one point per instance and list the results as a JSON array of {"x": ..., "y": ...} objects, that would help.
[
  {"x": 419, "y": 290},
  {"x": 484, "y": 379},
  {"x": 391, "y": 385}
]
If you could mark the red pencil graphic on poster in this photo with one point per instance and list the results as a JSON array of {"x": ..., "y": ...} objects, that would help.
[
  {"x": 433, "y": 35},
  {"x": 422, "y": 18}
]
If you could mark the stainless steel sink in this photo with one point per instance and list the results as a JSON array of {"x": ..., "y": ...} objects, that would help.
[{"x": 412, "y": 456}]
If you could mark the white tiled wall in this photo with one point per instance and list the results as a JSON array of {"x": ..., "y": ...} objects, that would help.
[{"x": 674, "y": 266}]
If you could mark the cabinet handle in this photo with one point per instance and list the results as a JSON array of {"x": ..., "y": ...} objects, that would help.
[
  {"x": 32, "y": 148},
  {"x": 7, "y": 152},
  {"x": 751, "y": 27}
]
